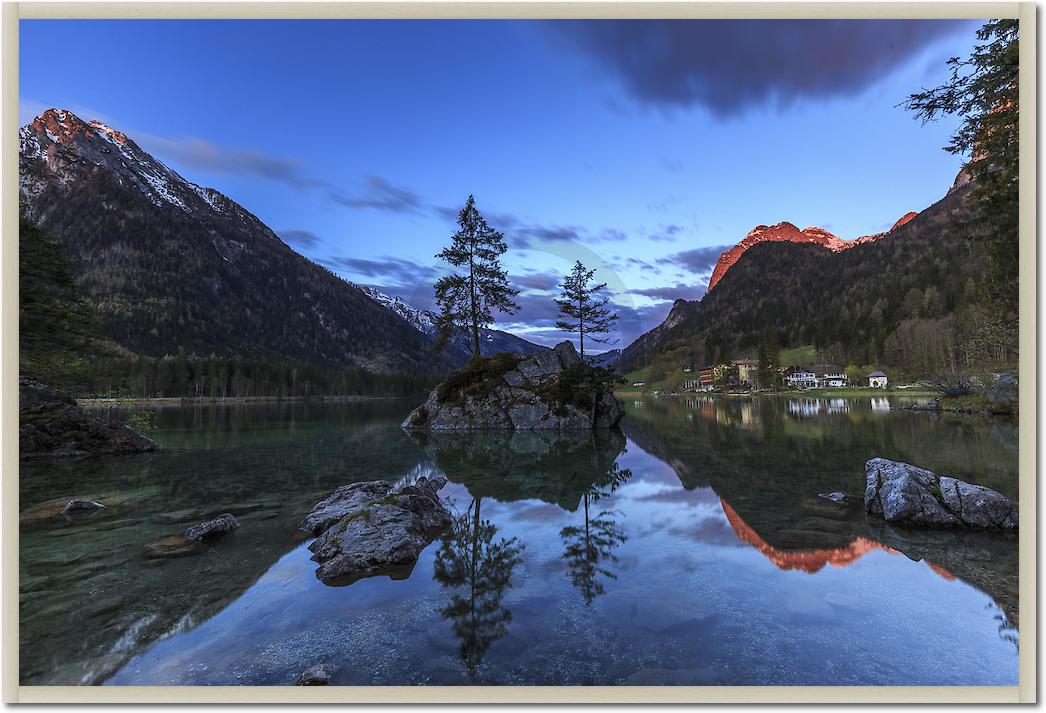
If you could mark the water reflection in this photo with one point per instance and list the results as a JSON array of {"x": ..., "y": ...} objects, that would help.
[
  {"x": 589, "y": 549},
  {"x": 659, "y": 558},
  {"x": 480, "y": 570},
  {"x": 556, "y": 468},
  {"x": 768, "y": 483}
]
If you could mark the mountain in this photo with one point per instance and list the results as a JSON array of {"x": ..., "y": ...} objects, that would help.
[
  {"x": 886, "y": 297},
  {"x": 173, "y": 267},
  {"x": 492, "y": 341},
  {"x": 787, "y": 232},
  {"x": 607, "y": 358}
]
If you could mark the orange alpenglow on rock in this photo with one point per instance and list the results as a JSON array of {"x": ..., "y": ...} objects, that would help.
[{"x": 788, "y": 233}]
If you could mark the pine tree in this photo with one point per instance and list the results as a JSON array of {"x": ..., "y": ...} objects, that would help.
[
  {"x": 983, "y": 91},
  {"x": 466, "y": 300},
  {"x": 768, "y": 361},
  {"x": 57, "y": 328},
  {"x": 582, "y": 311}
]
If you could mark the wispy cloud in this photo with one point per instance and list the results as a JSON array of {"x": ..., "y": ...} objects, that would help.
[
  {"x": 385, "y": 270},
  {"x": 378, "y": 193},
  {"x": 300, "y": 238},
  {"x": 698, "y": 260},
  {"x": 672, "y": 293}
]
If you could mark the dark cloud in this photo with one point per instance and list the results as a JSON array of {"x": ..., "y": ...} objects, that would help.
[
  {"x": 377, "y": 193},
  {"x": 699, "y": 260},
  {"x": 730, "y": 66},
  {"x": 300, "y": 238},
  {"x": 680, "y": 291}
]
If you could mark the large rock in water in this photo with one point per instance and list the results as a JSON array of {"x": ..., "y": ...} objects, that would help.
[
  {"x": 533, "y": 393},
  {"x": 1004, "y": 389},
  {"x": 901, "y": 493},
  {"x": 51, "y": 423},
  {"x": 375, "y": 528}
]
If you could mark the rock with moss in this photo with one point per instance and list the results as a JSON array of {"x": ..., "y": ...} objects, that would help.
[
  {"x": 553, "y": 390},
  {"x": 375, "y": 528},
  {"x": 51, "y": 423},
  {"x": 904, "y": 494}
]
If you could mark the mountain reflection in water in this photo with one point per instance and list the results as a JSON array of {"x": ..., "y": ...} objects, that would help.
[{"x": 689, "y": 548}]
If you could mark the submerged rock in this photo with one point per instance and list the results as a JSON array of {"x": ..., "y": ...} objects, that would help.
[
  {"x": 553, "y": 390},
  {"x": 173, "y": 546},
  {"x": 835, "y": 497},
  {"x": 51, "y": 423},
  {"x": 904, "y": 494},
  {"x": 221, "y": 525},
  {"x": 81, "y": 507},
  {"x": 374, "y": 528},
  {"x": 318, "y": 675}
]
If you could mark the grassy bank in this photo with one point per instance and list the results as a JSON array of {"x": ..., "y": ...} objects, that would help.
[{"x": 854, "y": 391}]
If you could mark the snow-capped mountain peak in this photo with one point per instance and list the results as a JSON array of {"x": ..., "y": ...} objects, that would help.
[
  {"x": 422, "y": 320},
  {"x": 58, "y": 145}
]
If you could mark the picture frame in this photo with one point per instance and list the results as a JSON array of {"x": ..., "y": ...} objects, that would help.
[{"x": 1025, "y": 692}]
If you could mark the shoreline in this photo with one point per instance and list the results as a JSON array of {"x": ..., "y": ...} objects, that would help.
[
  {"x": 808, "y": 393},
  {"x": 218, "y": 400}
]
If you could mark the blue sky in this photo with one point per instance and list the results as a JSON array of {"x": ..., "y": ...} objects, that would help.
[{"x": 642, "y": 148}]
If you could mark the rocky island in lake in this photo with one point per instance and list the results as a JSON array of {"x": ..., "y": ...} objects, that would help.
[
  {"x": 553, "y": 390},
  {"x": 51, "y": 423}
]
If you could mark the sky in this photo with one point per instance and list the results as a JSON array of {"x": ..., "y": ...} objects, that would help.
[{"x": 642, "y": 148}]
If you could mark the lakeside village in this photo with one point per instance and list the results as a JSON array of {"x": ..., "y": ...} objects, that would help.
[{"x": 746, "y": 375}]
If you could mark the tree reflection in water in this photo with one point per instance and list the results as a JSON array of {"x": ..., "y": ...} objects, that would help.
[
  {"x": 470, "y": 560},
  {"x": 589, "y": 549}
]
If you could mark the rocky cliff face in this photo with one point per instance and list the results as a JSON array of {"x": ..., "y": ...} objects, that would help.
[
  {"x": 548, "y": 391},
  {"x": 787, "y": 232}
]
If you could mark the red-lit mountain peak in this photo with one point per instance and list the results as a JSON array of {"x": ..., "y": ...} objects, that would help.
[{"x": 787, "y": 232}]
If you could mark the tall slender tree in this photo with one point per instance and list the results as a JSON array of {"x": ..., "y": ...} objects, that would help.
[
  {"x": 583, "y": 312},
  {"x": 983, "y": 92},
  {"x": 466, "y": 299}
]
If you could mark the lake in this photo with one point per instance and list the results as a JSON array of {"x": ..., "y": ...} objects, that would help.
[{"x": 689, "y": 548}]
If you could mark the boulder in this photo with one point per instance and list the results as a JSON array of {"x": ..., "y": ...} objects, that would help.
[
  {"x": 375, "y": 528},
  {"x": 1004, "y": 389},
  {"x": 540, "y": 392},
  {"x": 51, "y": 423},
  {"x": 81, "y": 507},
  {"x": 904, "y": 494},
  {"x": 318, "y": 675},
  {"x": 221, "y": 525}
]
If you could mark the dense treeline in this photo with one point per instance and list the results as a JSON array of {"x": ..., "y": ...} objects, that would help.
[
  {"x": 216, "y": 377},
  {"x": 909, "y": 302},
  {"x": 59, "y": 343}
]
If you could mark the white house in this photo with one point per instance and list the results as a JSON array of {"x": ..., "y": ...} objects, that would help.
[
  {"x": 800, "y": 377},
  {"x": 877, "y": 380},
  {"x": 829, "y": 376}
]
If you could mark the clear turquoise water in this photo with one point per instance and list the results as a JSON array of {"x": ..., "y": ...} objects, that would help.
[{"x": 690, "y": 549}]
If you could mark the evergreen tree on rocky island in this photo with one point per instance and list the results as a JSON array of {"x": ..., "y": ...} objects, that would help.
[
  {"x": 583, "y": 313},
  {"x": 466, "y": 300}
]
